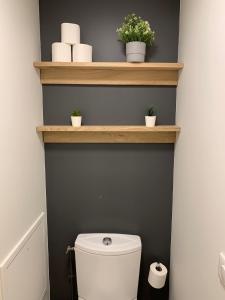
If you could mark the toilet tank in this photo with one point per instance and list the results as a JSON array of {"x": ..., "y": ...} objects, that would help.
[{"x": 107, "y": 266}]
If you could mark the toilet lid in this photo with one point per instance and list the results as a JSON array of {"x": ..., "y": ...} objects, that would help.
[{"x": 108, "y": 243}]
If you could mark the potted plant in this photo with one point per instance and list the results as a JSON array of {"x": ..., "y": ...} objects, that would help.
[
  {"x": 150, "y": 119},
  {"x": 136, "y": 33},
  {"x": 76, "y": 118}
]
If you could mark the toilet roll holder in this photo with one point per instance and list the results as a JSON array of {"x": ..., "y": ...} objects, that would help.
[{"x": 158, "y": 267}]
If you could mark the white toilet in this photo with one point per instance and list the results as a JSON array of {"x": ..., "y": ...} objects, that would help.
[{"x": 107, "y": 266}]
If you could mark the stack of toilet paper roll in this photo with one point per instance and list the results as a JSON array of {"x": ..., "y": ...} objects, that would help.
[{"x": 70, "y": 48}]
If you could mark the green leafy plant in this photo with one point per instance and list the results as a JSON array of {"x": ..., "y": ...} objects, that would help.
[
  {"x": 135, "y": 29},
  {"x": 76, "y": 113},
  {"x": 151, "y": 111}
]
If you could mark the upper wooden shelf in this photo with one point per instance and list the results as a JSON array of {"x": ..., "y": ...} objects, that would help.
[
  {"x": 109, "y": 73},
  {"x": 109, "y": 134}
]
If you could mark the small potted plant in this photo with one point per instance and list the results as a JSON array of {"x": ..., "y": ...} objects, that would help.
[
  {"x": 136, "y": 33},
  {"x": 76, "y": 118},
  {"x": 150, "y": 119}
]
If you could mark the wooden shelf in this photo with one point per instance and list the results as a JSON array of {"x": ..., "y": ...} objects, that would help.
[
  {"x": 109, "y": 134},
  {"x": 109, "y": 73}
]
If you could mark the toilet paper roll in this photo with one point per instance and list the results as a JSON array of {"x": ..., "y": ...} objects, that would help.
[
  {"x": 157, "y": 275},
  {"x": 82, "y": 53},
  {"x": 61, "y": 52},
  {"x": 70, "y": 33}
]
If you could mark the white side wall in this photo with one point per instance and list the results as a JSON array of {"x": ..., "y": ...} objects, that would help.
[
  {"x": 22, "y": 173},
  {"x": 198, "y": 231}
]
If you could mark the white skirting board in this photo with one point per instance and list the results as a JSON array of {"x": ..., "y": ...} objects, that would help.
[{"x": 23, "y": 273}]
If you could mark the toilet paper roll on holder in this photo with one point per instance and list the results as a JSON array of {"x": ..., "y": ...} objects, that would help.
[{"x": 157, "y": 275}]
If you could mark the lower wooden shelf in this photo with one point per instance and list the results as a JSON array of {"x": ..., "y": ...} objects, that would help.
[{"x": 109, "y": 134}]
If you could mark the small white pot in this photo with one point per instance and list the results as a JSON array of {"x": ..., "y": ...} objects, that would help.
[
  {"x": 76, "y": 121},
  {"x": 135, "y": 51},
  {"x": 150, "y": 121}
]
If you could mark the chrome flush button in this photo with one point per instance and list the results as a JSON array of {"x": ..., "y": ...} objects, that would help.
[{"x": 107, "y": 241}]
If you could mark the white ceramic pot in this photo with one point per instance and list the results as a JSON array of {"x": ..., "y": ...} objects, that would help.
[
  {"x": 150, "y": 121},
  {"x": 135, "y": 51},
  {"x": 76, "y": 121}
]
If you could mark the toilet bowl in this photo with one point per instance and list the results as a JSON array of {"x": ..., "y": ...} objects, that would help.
[{"x": 107, "y": 266}]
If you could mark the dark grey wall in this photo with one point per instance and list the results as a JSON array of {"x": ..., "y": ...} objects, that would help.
[{"x": 109, "y": 188}]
